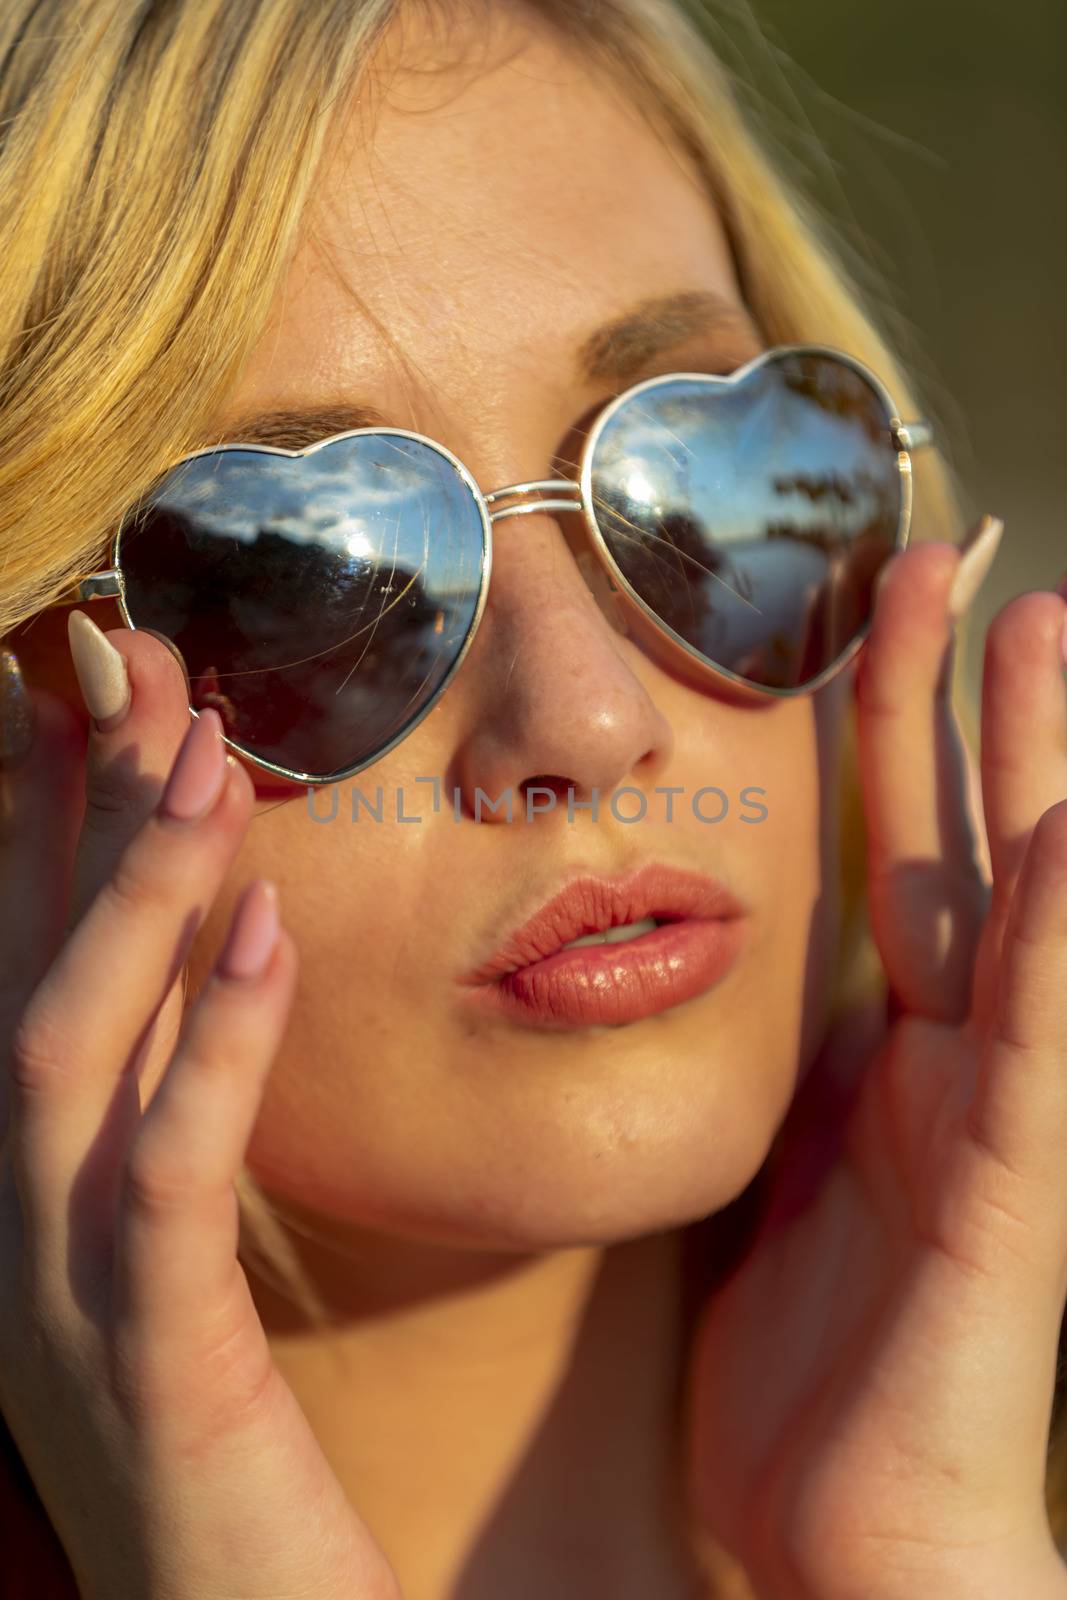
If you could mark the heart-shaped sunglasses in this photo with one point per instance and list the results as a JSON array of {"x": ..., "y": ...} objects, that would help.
[{"x": 323, "y": 599}]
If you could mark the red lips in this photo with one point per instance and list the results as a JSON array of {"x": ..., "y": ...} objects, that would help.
[{"x": 592, "y": 905}]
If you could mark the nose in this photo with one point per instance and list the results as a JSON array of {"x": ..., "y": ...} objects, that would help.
[{"x": 555, "y": 699}]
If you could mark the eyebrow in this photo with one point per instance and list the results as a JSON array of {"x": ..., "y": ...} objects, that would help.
[
  {"x": 617, "y": 352},
  {"x": 621, "y": 348}
]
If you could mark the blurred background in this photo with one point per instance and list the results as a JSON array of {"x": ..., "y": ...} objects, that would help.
[{"x": 936, "y": 138}]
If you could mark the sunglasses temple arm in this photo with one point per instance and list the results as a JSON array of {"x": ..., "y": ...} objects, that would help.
[
  {"x": 915, "y": 435},
  {"x": 94, "y": 586}
]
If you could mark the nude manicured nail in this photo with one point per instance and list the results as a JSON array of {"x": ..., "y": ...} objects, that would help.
[
  {"x": 975, "y": 562},
  {"x": 17, "y": 717},
  {"x": 253, "y": 932},
  {"x": 101, "y": 671},
  {"x": 198, "y": 771}
]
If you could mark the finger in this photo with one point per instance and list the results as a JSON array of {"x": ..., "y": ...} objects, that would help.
[
  {"x": 176, "y": 1237},
  {"x": 927, "y": 891},
  {"x": 42, "y": 811},
  {"x": 84, "y": 1023},
  {"x": 1024, "y": 753},
  {"x": 1019, "y": 1109},
  {"x": 135, "y": 693}
]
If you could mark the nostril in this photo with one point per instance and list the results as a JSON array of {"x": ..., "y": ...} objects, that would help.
[{"x": 545, "y": 780}]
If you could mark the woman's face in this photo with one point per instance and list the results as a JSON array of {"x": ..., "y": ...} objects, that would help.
[{"x": 466, "y": 241}]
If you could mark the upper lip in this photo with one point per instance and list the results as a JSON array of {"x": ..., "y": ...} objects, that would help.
[{"x": 590, "y": 904}]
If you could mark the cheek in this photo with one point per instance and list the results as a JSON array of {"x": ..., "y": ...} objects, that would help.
[
  {"x": 792, "y": 857},
  {"x": 348, "y": 895}
]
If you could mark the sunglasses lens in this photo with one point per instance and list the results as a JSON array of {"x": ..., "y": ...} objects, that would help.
[
  {"x": 321, "y": 601},
  {"x": 752, "y": 517}
]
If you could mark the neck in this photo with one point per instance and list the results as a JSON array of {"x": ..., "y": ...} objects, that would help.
[{"x": 504, "y": 1424}]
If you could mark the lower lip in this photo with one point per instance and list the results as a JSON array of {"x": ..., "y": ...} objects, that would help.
[{"x": 617, "y": 983}]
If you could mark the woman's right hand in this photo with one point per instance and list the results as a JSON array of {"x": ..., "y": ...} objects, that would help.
[{"x": 135, "y": 1375}]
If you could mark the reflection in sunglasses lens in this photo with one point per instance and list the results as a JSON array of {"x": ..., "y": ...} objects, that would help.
[
  {"x": 753, "y": 517},
  {"x": 321, "y": 601}
]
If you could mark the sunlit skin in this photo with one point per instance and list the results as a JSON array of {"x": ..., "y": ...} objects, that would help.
[{"x": 473, "y": 1174}]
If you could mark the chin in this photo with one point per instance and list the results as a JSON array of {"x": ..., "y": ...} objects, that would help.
[{"x": 560, "y": 1193}]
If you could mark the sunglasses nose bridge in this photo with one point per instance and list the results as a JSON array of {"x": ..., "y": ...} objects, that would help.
[{"x": 553, "y": 488}]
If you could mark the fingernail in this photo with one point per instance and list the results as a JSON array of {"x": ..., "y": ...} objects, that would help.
[
  {"x": 199, "y": 769},
  {"x": 17, "y": 716},
  {"x": 978, "y": 552},
  {"x": 253, "y": 932},
  {"x": 101, "y": 671}
]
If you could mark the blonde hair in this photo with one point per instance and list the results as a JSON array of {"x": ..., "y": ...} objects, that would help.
[{"x": 155, "y": 160}]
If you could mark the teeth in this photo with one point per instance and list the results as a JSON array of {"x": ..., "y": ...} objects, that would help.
[{"x": 625, "y": 930}]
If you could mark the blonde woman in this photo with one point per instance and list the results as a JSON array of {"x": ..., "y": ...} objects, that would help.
[{"x": 362, "y": 1234}]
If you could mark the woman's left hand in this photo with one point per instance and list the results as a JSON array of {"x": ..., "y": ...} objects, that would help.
[{"x": 872, "y": 1386}]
